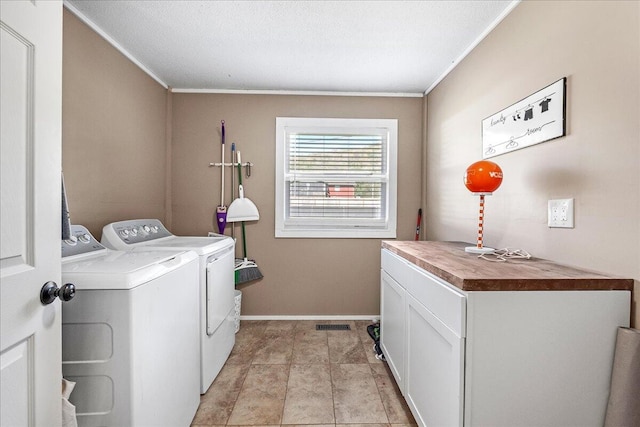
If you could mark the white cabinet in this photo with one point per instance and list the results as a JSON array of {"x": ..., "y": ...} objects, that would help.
[
  {"x": 392, "y": 310},
  {"x": 435, "y": 363},
  {"x": 423, "y": 340},
  {"x": 498, "y": 358}
]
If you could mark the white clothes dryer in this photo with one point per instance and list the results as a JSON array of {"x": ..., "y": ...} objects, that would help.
[
  {"x": 129, "y": 336},
  {"x": 216, "y": 282}
]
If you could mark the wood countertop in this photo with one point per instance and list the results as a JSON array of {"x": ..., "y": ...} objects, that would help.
[{"x": 449, "y": 261}]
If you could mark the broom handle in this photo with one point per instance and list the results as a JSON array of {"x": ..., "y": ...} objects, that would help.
[
  {"x": 239, "y": 167},
  {"x": 222, "y": 157},
  {"x": 244, "y": 238},
  {"x": 233, "y": 185},
  {"x": 244, "y": 242}
]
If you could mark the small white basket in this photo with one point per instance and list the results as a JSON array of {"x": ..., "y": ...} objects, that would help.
[{"x": 238, "y": 301}]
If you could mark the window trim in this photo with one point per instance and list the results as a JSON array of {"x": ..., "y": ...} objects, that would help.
[{"x": 312, "y": 228}]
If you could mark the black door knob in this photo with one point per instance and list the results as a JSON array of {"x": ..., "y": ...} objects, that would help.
[{"x": 50, "y": 292}]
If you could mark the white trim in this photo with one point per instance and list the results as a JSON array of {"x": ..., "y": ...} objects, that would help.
[
  {"x": 113, "y": 43},
  {"x": 473, "y": 45},
  {"x": 309, "y": 228},
  {"x": 300, "y": 93},
  {"x": 371, "y": 317}
]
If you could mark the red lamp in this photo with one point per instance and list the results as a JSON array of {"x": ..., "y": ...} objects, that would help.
[{"x": 482, "y": 178}]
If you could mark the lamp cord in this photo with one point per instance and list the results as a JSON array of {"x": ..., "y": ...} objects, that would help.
[{"x": 502, "y": 255}]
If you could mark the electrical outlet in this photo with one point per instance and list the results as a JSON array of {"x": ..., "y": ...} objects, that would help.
[{"x": 560, "y": 213}]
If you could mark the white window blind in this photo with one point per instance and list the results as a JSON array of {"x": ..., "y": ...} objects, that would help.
[{"x": 336, "y": 177}]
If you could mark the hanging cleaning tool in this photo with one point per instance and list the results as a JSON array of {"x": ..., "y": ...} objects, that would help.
[
  {"x": 245, "y": 269},
  {"x": 242, "y": 209},
  {"x": 233, "y": 186},
  {"x": 418, "y": 224},
  {"x": 221, "y": 211}
]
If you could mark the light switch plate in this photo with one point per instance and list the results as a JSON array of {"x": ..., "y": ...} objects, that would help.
[{"x": 560, "y": 213}]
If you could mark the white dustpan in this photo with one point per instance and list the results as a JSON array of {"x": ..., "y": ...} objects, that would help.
[{"x": 242, "y": 209}]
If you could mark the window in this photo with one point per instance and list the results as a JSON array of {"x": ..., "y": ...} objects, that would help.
[{"x": 336, "y": 177}]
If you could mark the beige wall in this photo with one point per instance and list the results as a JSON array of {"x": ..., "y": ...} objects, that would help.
[
  {"x": 113, "y": 132},
  {"x": 596, "y": 45},
  {"x": 301, "y": 276},
  {"x": 115, "y": 122},
  {"x": 114, "y": 158}
]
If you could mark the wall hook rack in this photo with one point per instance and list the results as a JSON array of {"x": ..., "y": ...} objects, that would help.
[{"x": 244, "y": 164}]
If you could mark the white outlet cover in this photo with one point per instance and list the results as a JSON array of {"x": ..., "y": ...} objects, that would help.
[{"x": 560, "y": 213}]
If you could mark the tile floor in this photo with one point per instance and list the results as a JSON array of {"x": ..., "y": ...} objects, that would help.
[{"x": 287, "y": 373}]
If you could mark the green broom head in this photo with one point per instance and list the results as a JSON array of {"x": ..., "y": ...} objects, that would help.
[{"x": 246, "y": 270}]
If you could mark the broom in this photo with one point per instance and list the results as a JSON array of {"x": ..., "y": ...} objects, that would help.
[{"x": 246, "y": 270}]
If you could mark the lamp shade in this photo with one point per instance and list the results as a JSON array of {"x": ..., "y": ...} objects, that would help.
[{"x": 483, "y": 177}]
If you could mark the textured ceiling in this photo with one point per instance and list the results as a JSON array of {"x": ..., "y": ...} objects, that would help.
[{"x": 331, "y": 46}]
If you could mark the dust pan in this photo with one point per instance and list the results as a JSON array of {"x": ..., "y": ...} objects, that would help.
[{"x": 242, "y": 209}]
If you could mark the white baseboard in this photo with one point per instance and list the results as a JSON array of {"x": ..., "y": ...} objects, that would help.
[{"x": 369, "y": 317}]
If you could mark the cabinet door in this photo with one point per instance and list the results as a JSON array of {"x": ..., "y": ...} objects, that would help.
[
  {"x": 392, "y": 326},
  {"x": 434, "y": 376}
]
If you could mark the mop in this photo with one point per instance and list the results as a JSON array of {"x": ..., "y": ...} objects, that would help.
[{"x": 221, "y": 210}]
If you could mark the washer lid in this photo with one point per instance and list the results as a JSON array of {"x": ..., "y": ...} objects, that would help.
[
  {"x": 123, "y": 270},
  {"x": 199, "y": 244}
]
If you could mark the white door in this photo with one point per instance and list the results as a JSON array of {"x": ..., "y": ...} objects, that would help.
[{"x": 30, "y": 123}]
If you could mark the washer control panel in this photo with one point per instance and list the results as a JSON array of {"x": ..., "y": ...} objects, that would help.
[
  {"x": 80, "y": 242},
  {"x": 135, "y": 231}
]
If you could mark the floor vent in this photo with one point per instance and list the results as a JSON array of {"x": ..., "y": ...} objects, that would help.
[{"x": 333, "y": 328}]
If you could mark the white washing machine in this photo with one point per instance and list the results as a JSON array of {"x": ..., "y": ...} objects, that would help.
[
  {"x": 216, "y": 282},
  {"x": 129, "y": 336}
]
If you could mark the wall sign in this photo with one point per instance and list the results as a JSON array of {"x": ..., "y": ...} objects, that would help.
[{"x": 537, "y": 118}]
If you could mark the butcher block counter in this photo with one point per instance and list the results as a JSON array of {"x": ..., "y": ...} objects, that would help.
[
  {"x": 519, "y": 343},
  {"x": 449, "y": 261}
]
